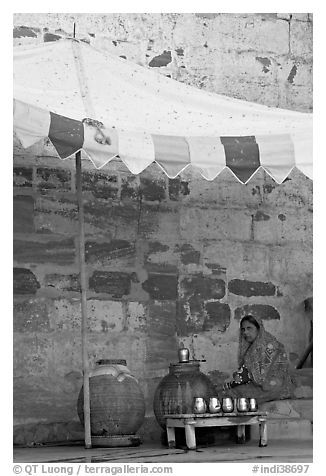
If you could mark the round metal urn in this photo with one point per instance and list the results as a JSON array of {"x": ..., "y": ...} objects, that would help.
[{"x": 176, "y": 392}]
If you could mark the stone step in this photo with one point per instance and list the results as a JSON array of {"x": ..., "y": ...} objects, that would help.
[
  {"x": 304, "y": 382},
  {"x": 289, "y": 409},
  {"x": 288, "y": 419},
  {"x": 286, "y": 429}
]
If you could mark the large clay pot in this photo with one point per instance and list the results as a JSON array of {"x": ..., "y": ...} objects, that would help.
[
  {"x": 176, "y": 392},
  {"x": 117, "y": 404}
]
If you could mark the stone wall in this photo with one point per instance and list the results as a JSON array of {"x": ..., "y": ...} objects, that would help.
[{"x": 168, "y": 261}]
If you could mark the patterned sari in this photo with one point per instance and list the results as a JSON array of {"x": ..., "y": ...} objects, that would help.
[{"x": 268, "y": 369}]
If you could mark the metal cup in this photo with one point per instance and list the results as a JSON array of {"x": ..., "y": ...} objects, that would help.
[
  {"x": 253, "y": 405},
  {"x": 183, "y": 355},
  {"x": 214, "y": 405},
  {"x": 227, "y": 405},
  {"x": 242, "y": 404},
  {"x": 200, "y": 405}
]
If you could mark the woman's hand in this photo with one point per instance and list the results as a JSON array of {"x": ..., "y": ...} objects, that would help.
[
  {"x": 227, "y": 384},
  {"x": 237, "y": 378}
]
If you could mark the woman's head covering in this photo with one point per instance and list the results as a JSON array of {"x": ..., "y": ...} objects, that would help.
[
  {"x": 265, "y": 358},
  {"x": 261, "y": 337}
]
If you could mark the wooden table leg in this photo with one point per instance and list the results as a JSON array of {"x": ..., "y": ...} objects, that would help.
[
  {"x": 262, "y": 432},
  {"x": 241, "y": 434},
  {"x": 170, "y": 431},
  {"x": 190, "y": 434}
]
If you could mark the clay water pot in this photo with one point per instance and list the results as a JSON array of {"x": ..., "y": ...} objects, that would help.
[{"x": 117, "y": 404}]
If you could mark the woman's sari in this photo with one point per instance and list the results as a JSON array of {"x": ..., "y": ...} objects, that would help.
[{"x": 268, "y": 369}]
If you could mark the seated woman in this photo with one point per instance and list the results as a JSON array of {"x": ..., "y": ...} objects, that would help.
[{"x": 263, "y": 365}]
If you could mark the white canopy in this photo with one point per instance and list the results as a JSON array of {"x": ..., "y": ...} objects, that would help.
[{"x": 142, "y": 116}]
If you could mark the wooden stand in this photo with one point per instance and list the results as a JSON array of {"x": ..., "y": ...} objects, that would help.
[{"x": 191, "y": 421}]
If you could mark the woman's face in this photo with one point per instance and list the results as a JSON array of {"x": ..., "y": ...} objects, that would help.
[{"x": 249, "y": 331}]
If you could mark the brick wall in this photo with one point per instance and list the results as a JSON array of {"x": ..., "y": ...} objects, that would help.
[{"x": 167, "y": 260}]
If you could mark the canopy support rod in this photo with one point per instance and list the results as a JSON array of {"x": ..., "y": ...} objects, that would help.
[{"x": 83, "y": 283}]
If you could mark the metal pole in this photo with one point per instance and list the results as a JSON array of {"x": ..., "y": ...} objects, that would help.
[{"x": 83, "y": 283}]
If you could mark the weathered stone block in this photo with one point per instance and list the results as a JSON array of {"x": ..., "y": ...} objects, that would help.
[
  {"x": 300, "y": 16},
  {"x": 160, "y": 351},
  {"x": 53, "y": 215},
  {"x": 100, "y": 184},
  {"x": 31, "y": 315},
  {"x": 238, "y": 73},
  {"x": 260, "y": 216},
  {"x": 65, "y": 206},
  {"x": 301, "y": 38},
  {"x": 247, "y": 258},
  {"x": 207, "y": 224},
  {"x": 51, "y": 37},
  {"x": 103, "y": 317},
  {"x": 246, "y": 288},
  {"x": 281, "y": 227},
  {"x": 23, "y": 214},
  {"x": 161, "y": 318},
  {"x": 217, "y": 317},
  {"x": 188, "y": 254},
  {"x": 217, "y": 269},
  {"x": 161, "y": 258},
  {"x": 190, "y": 316},
  {"x": 262, "y": 311},
  {"x": 107, "y": 316},
  {"x": 40, "y": 399},
  {"x": 130, "y": 188},
  {"x": 137, "y": 316},
  {"x": 61, "y": 252},
  {"x": 161, "y": 286},
  {"x": 33, "y": 348},
  {"x": 24, "y": 31},
  {"x": 96, "y": 252},
  {"x": 53, "y": 179},
  {"x": 208, "y": 16},
  {"x": 284, "y": 16},
  {"x": 152, "y": 189},
  {"x": 120, "y": 220},
  {"x": 294, "y": 263},
  {"x": 158, "y": 222},
  {"x": 203, "y": 287},
  {"x": 177, "y": 189},
  {"x": 249, "y": 32},
  {"x": 224, "y": 191},
  {"x": 296, "y": 192},
  {"x": 63, "y": 282},
  {"x": 23, "y": 176},
  {"x": 115, "y": 283},
  {"x": 25, "y": 281},
  {"x": 188, "y": 32},
  {"x": 161, "y": 60}
]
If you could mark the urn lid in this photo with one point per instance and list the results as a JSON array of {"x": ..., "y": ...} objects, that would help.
[
  {"x": 181, "y": 367},
  {"x": 111, "y": 362}
]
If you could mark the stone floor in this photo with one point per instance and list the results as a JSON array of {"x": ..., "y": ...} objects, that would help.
[{"x": 294, "y": 451}]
